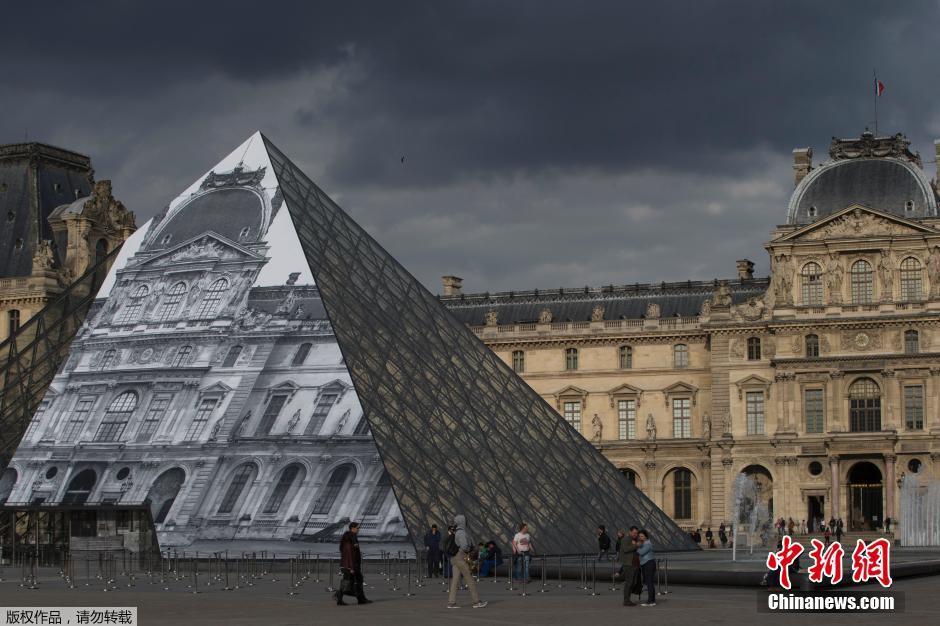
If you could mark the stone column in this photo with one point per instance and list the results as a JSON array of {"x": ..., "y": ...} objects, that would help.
[
  {"x": 889, "y": 486},
  {"x": 834, "y": 414},
  {"x": 834, "y": 510},
  {"x": 890, "y": 415},
  {"x": 655, "y": 490},
  {"x": 932, "y": 410},
  {"x": 726, "y": 464},
  {"x": 706, "y": 487}
]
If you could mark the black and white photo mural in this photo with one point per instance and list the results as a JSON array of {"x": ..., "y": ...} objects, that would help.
[{"x": 207, "y": 384}]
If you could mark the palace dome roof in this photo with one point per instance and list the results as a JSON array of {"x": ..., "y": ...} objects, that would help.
[{"x": 877, "y": 172}]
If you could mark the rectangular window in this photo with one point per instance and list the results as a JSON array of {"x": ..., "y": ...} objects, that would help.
[
  {"x": 914, "y": 407},
  {"x": 321, "y": 411},
  {"x": 626, "y": 419},
  {"x": 76, "y": 423},
  {"x": 270, "y": 415},
  {"x": 37, "y": 419},
  {"x": 573, "y": 414},
  {"x": 155, "y": 414},
  {"x": 518, "y": 361},
  {"x": 755, "y": 412},
  {"x": 813, "y": 409},
  {"x": 206, "y": 407},
  {"x": 682, "y": 418}
]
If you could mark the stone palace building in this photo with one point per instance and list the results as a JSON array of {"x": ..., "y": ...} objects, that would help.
[
  {"x": 57, "y": 222},
  {"x": 822, "y": 381}
]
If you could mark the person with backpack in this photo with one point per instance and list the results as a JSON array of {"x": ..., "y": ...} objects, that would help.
[{"x": 457, "y": 548}]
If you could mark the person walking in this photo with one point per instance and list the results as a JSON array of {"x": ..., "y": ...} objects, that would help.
[
  {"x": 709, "y": 538},
  {"x": 603, "y": 543},
  {"x": 350, "y": 564},
  {"x": 827, "y": 535},
  {"x": 630, "y": 565},
  {"x": 457, "y": 548},
  {"x": 432, "y": 543},
  {"x": 839, "y": 532},
  {"x": 522, "y": 553},
  {"x": 647, "y": 566},
  {"x": 722, "y": 535}
]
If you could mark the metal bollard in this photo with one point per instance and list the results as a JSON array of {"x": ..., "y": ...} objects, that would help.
[
  {"x": 584, "y": 586},
  {"x": 512, "y": 569},
  {"x": 544, "y": 587},
  {"x": 331, "y": 588},
  {"x": 594, "y": 579},
  {"x": 559, "y": 584},
  {"x": 316, "y": 569},
  {"x": 613, "y": 577},
  {"x": 525, "y": 577},
  {"x": 408, "y": 593},
  {"x": 195, "y": 574},
  {"x": 665, "y": 590},
  {"x": 293, "y": 577}
]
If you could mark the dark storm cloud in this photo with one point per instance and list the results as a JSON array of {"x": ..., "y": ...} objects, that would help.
[{"x": 545, "y": 143}]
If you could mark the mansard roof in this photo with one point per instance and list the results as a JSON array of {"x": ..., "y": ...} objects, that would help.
[{"x": 620, "y": 302}]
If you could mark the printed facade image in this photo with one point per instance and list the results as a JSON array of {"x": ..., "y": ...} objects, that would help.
[{"x": 207, "y": 384}]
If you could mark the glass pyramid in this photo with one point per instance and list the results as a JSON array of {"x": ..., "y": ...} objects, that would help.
[{"x": 257, "y": 368}]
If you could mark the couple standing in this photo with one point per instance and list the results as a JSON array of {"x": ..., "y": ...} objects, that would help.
[{"x": 639, "y": 567}]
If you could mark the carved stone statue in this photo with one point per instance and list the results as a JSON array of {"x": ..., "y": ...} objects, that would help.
[
  {"x": 835, "y": 275},
  {"x": 727, "y": 423},
  {"x": 597, "y": 428},
  {"x": 492, "y": 317},
  {"x": 545, "y": 316},
  {"x": 342, "y": 422},
  {"x": 652, "y": 311},
  {"x": 933, "y": 270},
  {"x": 215, "y": 429},
  {"x": 597, "y": 315},
  {"x": 43, "y": 258},
  {"x": 736, "y": 348},
  {"x": 650, "y": 427},
  {"x": 706, "y": 308},
  {"x": 706, "y": 427},
  {"x": 722, "y": 295},
  {"x": 886, "y": 271},
  {"x": 241, "y": 429},
  {"x": 197, "y": 288},
  {"x": 293, "y": 421},
  {"x": 287, "y": 303},
  {"x": 783, "y": 279}
]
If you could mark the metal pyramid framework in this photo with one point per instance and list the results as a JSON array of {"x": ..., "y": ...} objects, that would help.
[{"x": 457, "y": 429}]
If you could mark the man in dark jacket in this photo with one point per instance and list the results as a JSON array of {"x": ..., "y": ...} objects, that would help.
[
  {"x": 631, "y": 567},
  {"x": 603, "y": 543},
  {"x": 432, "y": 541},
  {"x": 350, "y": 563}
]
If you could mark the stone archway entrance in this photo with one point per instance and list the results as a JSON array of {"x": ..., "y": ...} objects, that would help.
[
  {"x": 866, "y": 493},
  {"x": 765, "y": 486}
]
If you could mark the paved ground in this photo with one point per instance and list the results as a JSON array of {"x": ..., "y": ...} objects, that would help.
[{"x": 267, "y": 602}]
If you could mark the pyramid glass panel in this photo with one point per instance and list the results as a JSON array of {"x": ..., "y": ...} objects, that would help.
[{"x": 487, "y": 446}]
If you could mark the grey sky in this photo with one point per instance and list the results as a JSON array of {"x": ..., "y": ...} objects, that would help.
[{"x": 546, "y": 144}]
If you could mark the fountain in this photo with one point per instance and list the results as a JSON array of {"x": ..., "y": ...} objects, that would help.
[
  {"x": 749, "y": 510},
  {"x": 920, "y": 511}
]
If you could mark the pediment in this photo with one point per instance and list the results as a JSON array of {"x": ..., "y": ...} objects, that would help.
[
  {"x": 208, "y": 246},
  {"x": 857, "y": 221},
  {"x": 218, "y": 387},
  {"x": 752, "y": 382},
  {"x": 680, "y": 388},
  {"x": 625, "y": 390}
]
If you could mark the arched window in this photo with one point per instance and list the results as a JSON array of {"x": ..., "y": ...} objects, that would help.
[
  {"x": 80, "y": 487},
  {"x": 338, "y": 479},
  {"x": 626, "y": 357},
  {"x": 210, "y": 301},
  {"x": 518, "y": 361},
  {"x": 912, "y": 282},
  {"x": 13, "y": 322},
  {"x": 811, "y": 284},
  {"x": 862, "y": 290},
  {"x": 131, "y": 311},
  {"x": 864, "y": 406},
  {"x": 231, "y": 356},
  {"x": 243, "y": 475},
  {"x": 682, "y": 494},
  {"x": 116, "y": 417},
  {"x": 680, "y": 353},
  {"x": 911, "y": 342},
  {"x": 285, "y": 482},
  {"x": 571, "y": 359},
  {"x": 171, "y": 302},
  {"x": 812, "y": 346},
  {"x": 379, "y": 495},
  {"x": 301, "y": 355},
  {"x": 182, "y": 356},
  {"x": 163, "y": 493},
  {"x": 108, "y": 359},
  {"x": 753, "y": 348}
]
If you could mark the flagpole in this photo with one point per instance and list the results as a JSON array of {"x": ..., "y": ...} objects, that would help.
[{"x": 875, "y": 87}]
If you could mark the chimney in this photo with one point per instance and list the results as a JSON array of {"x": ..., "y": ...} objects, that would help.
[
  {"x": 802, "y": 163},
  {"x": 453, "y": 285},
  {"x": 745, "y": 269}
]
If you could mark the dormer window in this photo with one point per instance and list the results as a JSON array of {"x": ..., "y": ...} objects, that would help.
[
  {"x": 166, "y": 239},
  {"x": 812, "y": 211},
  {"x": 909, "y": 206},
  {"x": 244, "y": 233}
]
